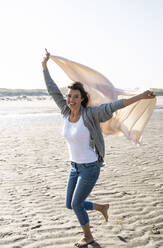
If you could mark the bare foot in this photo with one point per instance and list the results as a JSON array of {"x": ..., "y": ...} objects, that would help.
[
  {"x": 104, "y": 211},
  {"x": 84, "y": 241}
]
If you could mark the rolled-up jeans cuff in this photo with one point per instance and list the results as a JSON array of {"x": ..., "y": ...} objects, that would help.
[{"x": 86, "y": 224}]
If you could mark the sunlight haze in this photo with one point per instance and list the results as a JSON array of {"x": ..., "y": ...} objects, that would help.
[{"x": 122, "y": 39}]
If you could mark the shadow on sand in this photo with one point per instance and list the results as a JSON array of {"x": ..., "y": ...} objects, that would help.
[
  {"x": 97, "y": 245},
  {"x": 93, "y": 245}
]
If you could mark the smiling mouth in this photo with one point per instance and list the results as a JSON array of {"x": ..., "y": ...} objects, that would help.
[{"x": 71, "y": 104}]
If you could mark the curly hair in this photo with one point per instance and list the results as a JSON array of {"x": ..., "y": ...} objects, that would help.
[{"x": 84, "y": 94}]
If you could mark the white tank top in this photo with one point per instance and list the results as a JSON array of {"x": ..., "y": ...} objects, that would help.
[{"x": 78, "y": 139}]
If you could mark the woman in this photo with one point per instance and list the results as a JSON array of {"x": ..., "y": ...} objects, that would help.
[{"x": 86, "y": 145}]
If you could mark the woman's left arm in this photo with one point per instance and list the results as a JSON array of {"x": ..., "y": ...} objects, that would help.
[
  {"x": 105, "y": 111},
  {"x": 145, "y": 95}
]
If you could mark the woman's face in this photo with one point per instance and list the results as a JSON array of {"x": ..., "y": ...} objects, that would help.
[{"x": 74, "y": 99}]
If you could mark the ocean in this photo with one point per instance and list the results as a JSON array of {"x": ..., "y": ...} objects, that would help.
[
  {"x": 21, "y": 114},
  {"x": 25, "y": 120},
  {"x": 26, "y": 114}
]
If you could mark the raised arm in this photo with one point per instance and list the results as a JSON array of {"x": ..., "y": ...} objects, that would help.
[
  {"x": 45, "y": 60},
  {"x": 105, "y": 111},
  {"x": 145, "y": 95},
  {"x": 52, "y": 88}
]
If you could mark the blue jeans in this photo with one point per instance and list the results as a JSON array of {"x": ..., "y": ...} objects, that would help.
[{"x": 82, "y": 178}]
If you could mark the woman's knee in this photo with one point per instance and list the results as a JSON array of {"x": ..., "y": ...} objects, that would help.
[{"x": 75, "y": 205}]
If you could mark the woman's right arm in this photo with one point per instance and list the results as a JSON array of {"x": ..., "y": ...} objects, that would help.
[{"x": 52, "y": 88}]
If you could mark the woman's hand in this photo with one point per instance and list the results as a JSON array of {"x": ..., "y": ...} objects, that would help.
[
  {"x": 45, "y": 59},
  {"x": 148, "y": 94}
]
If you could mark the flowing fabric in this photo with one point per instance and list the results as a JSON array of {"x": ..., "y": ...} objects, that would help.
[{"x": 130, "y": 120}]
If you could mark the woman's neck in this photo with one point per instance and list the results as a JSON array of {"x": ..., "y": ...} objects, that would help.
[
  {"x": 74, "y": 116},
  {"x": 75, "y": 113}
]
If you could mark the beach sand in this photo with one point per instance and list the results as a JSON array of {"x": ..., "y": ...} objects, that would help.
[{"x": 33, "y": 173}]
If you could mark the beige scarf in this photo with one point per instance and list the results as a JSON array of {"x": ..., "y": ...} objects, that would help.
[{"x": 130, "y": 120}]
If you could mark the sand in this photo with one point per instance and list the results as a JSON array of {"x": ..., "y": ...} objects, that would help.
[{"x": 34, "y": 166}]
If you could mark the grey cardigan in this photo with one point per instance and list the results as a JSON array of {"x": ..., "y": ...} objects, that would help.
[{"x": 92, "y": 116}]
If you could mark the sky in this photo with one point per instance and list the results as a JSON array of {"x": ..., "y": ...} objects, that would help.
[{"x": 122, "y": 39}]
